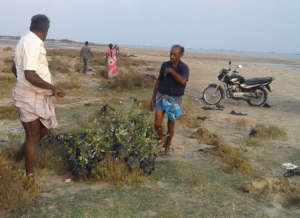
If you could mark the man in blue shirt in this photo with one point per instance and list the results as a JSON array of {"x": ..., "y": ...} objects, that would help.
[{"x": 168, "y": 92}]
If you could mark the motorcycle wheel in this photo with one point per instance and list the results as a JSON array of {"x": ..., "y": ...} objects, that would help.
[
  {"x": 261, "y": 98},
  {"x": 212, "y": 95}
]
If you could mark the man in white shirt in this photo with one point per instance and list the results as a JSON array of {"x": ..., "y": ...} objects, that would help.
[{"x": 33, "y": 89}]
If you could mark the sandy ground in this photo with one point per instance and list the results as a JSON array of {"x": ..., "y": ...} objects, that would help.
[{"x": 284, "y": 100}]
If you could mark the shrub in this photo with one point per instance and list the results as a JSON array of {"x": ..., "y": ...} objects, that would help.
[{"x": 131, "y": 139}]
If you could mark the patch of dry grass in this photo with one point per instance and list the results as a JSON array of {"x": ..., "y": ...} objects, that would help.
[
  {"x": 230, "y": 156},
  {"x": 98, "y": 59},
  {"x": 50, "y": 159},
  {"x": 204, "y": 136},
  {"x": 59, "y": 66},
  {"x": 8, "y": 61},
  {"x": 128, "y": 81},
  {"x": 16, "y": 189},
  {"x": 8, "y": 113},
  {"x": 251, "y": 142},
  {"x": 241, "y": 123},
  {"x": 190, "y": 121},
  {"x": 73, "y": 83},
  {"x": 116, "y": 171},
  {"x": 7, "y": 49},
  {"x": 269, "y": 132},
  {"x": 63, "y": 52},
  {"x": 7, "y": 83},
  {"x": 279, "y": 190},
  {"x": 129, "y": 62},
  {"x": 196, "y": 179},
  {"x": 7, "y": 79}
]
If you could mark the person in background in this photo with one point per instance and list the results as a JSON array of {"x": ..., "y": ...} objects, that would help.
[
  {"x": 168, "y": 92},
  {"x": 117, "y": 50},
  {"x": 33, "y": 90},
  {"x": 111, "y": 60},
  {"x": 85, "y": 53}
]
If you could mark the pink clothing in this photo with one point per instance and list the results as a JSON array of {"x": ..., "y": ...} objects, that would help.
[
  {"x": 33, "y": 106},
  {"x": 112, "y": 67}
]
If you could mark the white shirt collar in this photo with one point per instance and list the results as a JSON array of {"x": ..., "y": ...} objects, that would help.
[{"x": 35, "y": 37}]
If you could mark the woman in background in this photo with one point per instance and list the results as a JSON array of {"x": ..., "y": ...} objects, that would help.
[{"x": 111, "y": 60}]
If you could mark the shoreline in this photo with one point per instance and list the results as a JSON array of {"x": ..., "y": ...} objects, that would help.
[{"x": 203, "y": 54}]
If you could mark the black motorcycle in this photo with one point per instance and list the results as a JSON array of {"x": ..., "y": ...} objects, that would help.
[{"x": 232, "y": 85}]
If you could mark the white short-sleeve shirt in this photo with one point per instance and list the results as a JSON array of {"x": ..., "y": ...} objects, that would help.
[{"x": 30, "y": 54}]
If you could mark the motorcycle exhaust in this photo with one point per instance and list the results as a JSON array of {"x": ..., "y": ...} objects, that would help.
[{"x": 243, "y": 94}]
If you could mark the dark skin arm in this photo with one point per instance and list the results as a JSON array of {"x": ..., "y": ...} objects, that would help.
[
  {"x": 14, "y": 70},
  {"x": 155, "y": 90},
  {"x": 176, "y": 76},
  {"x": 36, "y": 80}
]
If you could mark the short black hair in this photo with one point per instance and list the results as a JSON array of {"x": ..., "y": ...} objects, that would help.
[
  {"x": 39, "y": 22},
  {"x": 110, "y": 45},
  {"x": 86, "y": 43},
  {"x": 180, "y": 47}
]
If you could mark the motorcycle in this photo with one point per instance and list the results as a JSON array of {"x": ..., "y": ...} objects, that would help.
[{"x": 234, "y": 86}]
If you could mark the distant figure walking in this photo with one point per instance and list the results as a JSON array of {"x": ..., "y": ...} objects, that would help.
[
  {"x": 111, "y": 60},
  {"x": 168, "y": 92},
  {"x": 85, "y": 53}
]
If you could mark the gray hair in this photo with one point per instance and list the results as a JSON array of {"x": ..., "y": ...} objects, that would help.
[{"x": 39, "y": 22}]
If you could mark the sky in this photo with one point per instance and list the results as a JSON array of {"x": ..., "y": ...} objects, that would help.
[{"x": 241, "y": 25}]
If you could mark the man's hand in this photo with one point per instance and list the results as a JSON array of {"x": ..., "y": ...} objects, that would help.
[
  {"x": 167, "y": 71},
  {"x": 152, "y": 104},
  {"x": 58, "y": 92}
]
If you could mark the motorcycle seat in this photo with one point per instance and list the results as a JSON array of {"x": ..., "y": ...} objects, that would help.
[{"x": 260, "y": 80}]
